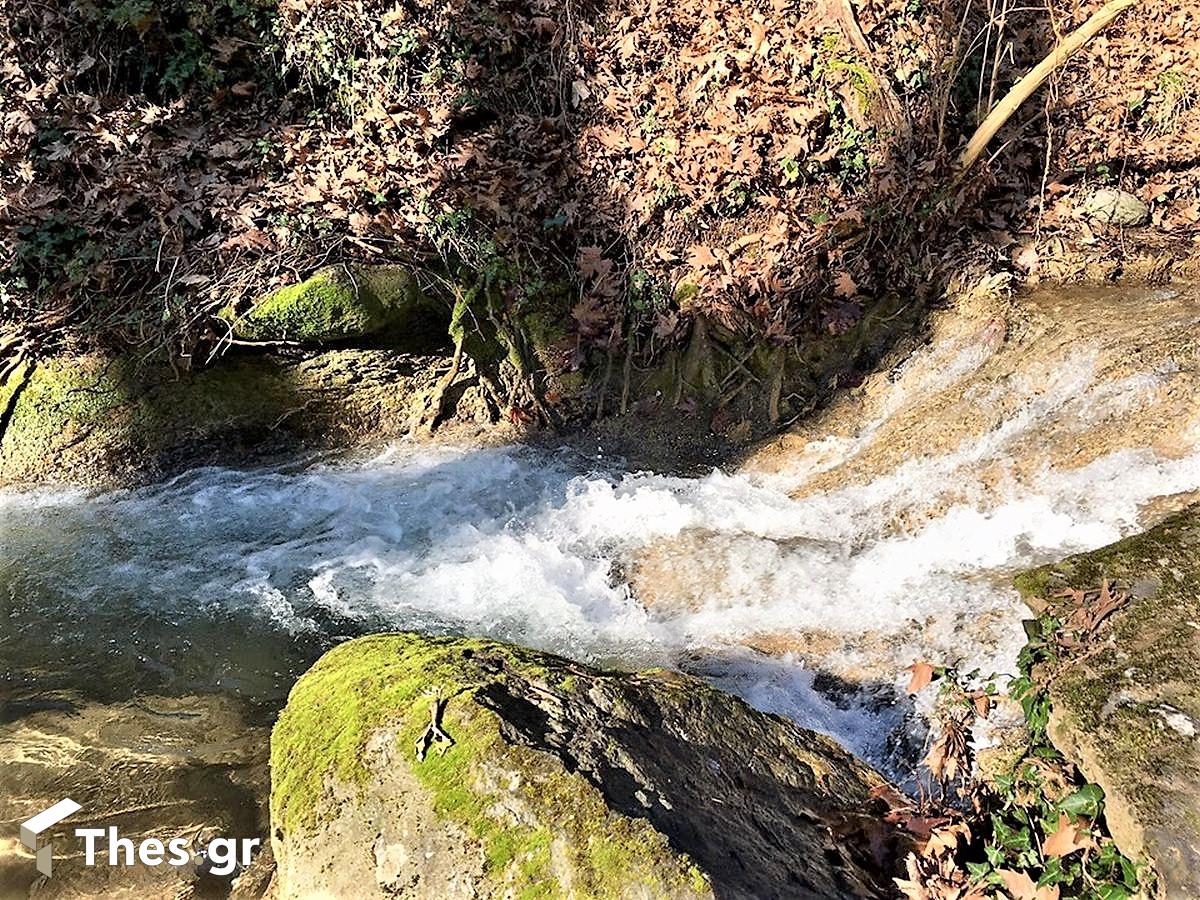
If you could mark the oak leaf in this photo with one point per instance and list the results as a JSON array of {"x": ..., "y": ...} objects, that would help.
[
  {"x": 921, "y": 676},
  {"x": 1021, "y": 887}
]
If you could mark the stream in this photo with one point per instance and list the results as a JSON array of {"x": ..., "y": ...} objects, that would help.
[{"x": 806, "y": 580}]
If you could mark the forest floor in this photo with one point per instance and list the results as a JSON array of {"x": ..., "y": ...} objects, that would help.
[{"x": 775, "y": 166}]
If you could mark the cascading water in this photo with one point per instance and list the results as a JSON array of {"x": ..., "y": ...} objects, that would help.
[{"x": 838, "y": 562}]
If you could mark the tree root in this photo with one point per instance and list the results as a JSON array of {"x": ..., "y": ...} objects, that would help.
[
  {"x": 434, "y": 734},
  {"x": 432, "y": 411}
]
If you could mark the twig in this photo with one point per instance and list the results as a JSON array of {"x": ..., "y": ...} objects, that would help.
[
  {"x": 1020, "y": 92},
  {"x": 434, "y": 733},
  {"x": 628, "y": 372}
]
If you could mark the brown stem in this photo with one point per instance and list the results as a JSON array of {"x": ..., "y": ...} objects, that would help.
[{"x": 1020, "y": 92}]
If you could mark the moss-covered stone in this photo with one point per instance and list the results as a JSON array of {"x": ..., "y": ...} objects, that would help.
[
  {"x": 561, "y": 781},
  {"x": 1128, "y": 710},
  {"x": 388, "y": 682},
  {"x": 97, "y": 420},
  {"x": 336, "y": 303}
]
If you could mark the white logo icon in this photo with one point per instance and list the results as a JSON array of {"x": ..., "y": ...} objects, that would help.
[{"x": 39, "y": 823}]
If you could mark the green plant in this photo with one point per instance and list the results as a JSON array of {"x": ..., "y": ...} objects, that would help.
[
  {"x": 177, "y": 41},
  {"x": 1038, "y": 826},
  {"x": 834, "y": 67},
  {"x": 1174, "y": 94},
  {"x": 791, "y": 170},
  {"x": 647, "y": 294}
]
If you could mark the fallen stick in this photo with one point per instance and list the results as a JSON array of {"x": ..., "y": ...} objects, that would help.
[{"x": 1020, "y": 92}]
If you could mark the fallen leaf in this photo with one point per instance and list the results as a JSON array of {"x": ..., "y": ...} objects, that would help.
[
  {"x": 844, "y": 286},
  {"x": 1019, "y": 885},
  {"x": 947, "y": 837},
  {"x": 922, "y": 675},
  {"x": 1067, "y": 838},
  {"x": 982, "y": 704},
  {"x": 701, "y": 257}
]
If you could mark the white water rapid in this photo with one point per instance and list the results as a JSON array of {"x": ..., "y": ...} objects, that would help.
[{"x": 766, "y": 580}]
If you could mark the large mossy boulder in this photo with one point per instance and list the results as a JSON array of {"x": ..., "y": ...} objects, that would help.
[
  {"x": 1127, "y": 709},
  {"x": 431, "y": 767},
  {"x": 340, "y": 303},
  {"x": 100, "y": 420}
]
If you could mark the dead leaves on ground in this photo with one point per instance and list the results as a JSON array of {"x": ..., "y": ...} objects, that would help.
[
  {"x": 717, "y": 145},
  {"x": 938, "y": 878},
  {"x": 1087, "y": 611}
]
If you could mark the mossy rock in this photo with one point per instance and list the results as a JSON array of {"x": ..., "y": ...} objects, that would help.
[
  {"x": 561, "y": 782},
  {"x": 1128, "y": 711},
  {"x": 102, "y": 420},
  {"x": 340, "y": 303}
]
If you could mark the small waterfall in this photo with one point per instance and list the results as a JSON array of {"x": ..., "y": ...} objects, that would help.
[{"x": 883, "y": 533}]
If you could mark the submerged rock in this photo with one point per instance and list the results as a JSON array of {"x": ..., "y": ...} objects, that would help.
[
  {"x": 1127, "y": 712},
  {"x": 440, "y": 768},
  {"x": 157, "y": 767},
  {"x": 339, "y": 303}
]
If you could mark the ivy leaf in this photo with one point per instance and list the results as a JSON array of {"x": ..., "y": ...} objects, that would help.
[{"x": 1087, "y": 801}]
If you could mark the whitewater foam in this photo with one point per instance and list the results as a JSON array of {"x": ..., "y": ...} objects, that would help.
[{"x": 213, "y": 576}]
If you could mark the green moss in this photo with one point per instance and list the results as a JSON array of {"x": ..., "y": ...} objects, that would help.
[
  {"x": 326, "y": 307},
  {"x": 337, "y": 303},
  {"x": 1107, "y": 702},
  {"x": 383, "y": 681},
  {"x": 93, "y": 418},
  {"x": 99, "y": 407},
  {"x": 61, "y": 402},
  {"x": 1033, "y": 585}
]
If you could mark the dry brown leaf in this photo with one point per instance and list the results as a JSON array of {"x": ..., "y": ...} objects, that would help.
[
  {"x": 701, "y": 257},
  {"x": 1021, "y": 887},
  {"x": 946, "y": 838},
  {"x": 983, "y": 704},
  {"x": 1067, "y": 838},
  {"x": 922, "y": 675},
  {"x": 844, "y": 286}
]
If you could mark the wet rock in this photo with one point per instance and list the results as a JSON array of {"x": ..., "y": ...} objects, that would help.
[
  {"x": 99, "y": 420},
  {"x": 1010, "y": 383},
  {"x": 1128, "y": 711},
  {"x": 1115, "y": 207},
  {"x": 155, "y": 767},
  {"x": 339, "y": 303},
  {"x": 546, "y": 776}
]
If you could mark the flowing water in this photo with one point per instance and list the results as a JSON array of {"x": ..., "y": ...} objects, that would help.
[{"x": 806, "y": 580}]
